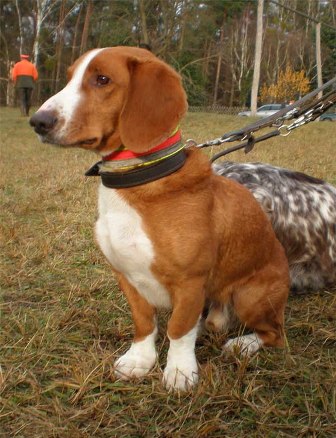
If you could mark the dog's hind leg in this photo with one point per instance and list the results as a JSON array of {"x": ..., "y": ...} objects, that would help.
[{"x": 260, "y": 306}]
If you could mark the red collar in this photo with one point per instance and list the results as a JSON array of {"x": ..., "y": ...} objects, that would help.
[{"x": 124, "y": 154}]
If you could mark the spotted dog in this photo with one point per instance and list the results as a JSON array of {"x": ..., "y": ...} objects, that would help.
[{"x": 302, "y": 210}]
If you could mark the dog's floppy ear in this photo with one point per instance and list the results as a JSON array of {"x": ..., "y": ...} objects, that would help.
[{"x": 155, "y": 105}]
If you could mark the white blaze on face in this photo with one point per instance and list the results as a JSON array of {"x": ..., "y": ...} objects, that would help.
[{"x": 66, "y": 101}]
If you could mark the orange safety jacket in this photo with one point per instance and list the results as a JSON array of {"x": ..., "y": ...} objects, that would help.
[{"x": 24, "y": 74}]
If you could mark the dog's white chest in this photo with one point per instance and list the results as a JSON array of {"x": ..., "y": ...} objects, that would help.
[{"x": 125, "y": 244}]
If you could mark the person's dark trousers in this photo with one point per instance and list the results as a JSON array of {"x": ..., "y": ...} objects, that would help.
[{"x": 25, "y": 98}]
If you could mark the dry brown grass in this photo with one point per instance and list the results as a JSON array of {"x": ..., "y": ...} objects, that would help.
[{"x": 63, "y": 320}]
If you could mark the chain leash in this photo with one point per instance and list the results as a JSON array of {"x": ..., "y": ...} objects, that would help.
[{"x": 302, "y": 116}]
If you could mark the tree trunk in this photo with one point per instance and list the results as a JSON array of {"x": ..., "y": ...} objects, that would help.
[
  {"x": 183, "y": 21},
  {"x": 60, "y": 43},
  {"x": 318, "y": 58},
  {"x": 74, "y": 41},
  {"x": 143, "y": 22},
  {"x": 257, "y": 58},
  {"x": 242, "y": 41},
  {"x": 232, "y": 92},
  {"x": 219, "y": 64},
  {"x": 43, "y": 10},
  {"x": 276, "y": 67},
  {"x": 89, "y": 11},
  {"x": 207, "y": 57},
  {"x": 10, "y": 96},
  {"x": 309, "y": 12},
  {"x": 20, "y": 25}
]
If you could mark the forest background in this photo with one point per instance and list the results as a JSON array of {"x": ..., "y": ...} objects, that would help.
[{"x": 211, "y": 43}]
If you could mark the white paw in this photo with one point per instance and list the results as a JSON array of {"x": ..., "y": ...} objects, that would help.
[
  {"x": 181, "y": 375},
  {"x": 138, "y": 360},
  {"x": 246, "y": 345},
  {"x": 131, "y": 365}
]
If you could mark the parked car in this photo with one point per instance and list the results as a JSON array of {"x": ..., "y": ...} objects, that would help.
[
  {"x": 330, "y": 117},
  {"x": 265, "y": 110}
]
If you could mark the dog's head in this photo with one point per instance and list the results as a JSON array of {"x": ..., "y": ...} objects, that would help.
[{"x": 114, "y": 96}]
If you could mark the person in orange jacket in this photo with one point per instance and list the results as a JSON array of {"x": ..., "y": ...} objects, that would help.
[{"x": 24, "y": 75}]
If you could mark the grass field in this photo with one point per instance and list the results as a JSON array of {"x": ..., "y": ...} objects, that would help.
[{"x": 64, "y": 322}]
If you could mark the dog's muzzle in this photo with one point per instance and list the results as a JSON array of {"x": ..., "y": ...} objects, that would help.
[{"x": 43, "y": 122}]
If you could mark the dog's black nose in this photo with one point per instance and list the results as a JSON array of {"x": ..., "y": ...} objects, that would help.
[{"x": 43, "y": 122}]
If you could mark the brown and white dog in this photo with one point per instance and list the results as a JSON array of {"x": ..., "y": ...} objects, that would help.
[{"x": 179, "y": 240}]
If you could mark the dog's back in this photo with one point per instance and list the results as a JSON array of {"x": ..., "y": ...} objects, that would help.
[{"x": 302, "y": 210}]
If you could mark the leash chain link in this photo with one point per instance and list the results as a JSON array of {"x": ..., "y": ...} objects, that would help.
[{"x": 302, "y": 120}]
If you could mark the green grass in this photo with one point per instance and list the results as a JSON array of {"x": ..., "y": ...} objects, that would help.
[{"x": 64, "y": 322}]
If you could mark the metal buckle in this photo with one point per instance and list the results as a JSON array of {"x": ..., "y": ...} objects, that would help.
[{"x": 286, "y": 127}]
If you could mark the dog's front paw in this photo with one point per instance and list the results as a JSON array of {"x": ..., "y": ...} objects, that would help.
[
  {"x": 134, "y": 363},
  {"x": 181, "y": 374}
]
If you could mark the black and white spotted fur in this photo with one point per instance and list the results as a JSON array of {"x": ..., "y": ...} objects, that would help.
[{"x": 302, "y": 210}]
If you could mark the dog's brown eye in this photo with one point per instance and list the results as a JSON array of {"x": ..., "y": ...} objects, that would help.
[{"x": 102, "y": 80}]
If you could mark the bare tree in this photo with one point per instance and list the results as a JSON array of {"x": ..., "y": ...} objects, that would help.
[
  {"x": 219, "y": 60},
  {"x": 20, "y": 25},
  {"x": 143, "y": 22},
  {"x": 59, "y": 45},
  {"x": 257, "y": 58},
  {"x": 74, "y": 47},
  {"x": 318, "y": 57},
  {"x": 10, "y": 97},
  {"x": 240, "y": 53},
  {"x": 183, "y": 22},
  {"x": 89, "y": 11},
  {"x": 43, "y": 10},
  {"x": 210, "y": 42}
]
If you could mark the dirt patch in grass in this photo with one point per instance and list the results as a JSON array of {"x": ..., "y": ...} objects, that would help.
[{"x": 64, "y": 321}]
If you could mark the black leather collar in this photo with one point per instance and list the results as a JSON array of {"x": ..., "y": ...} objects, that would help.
[{"x": 141, "y": 175}]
